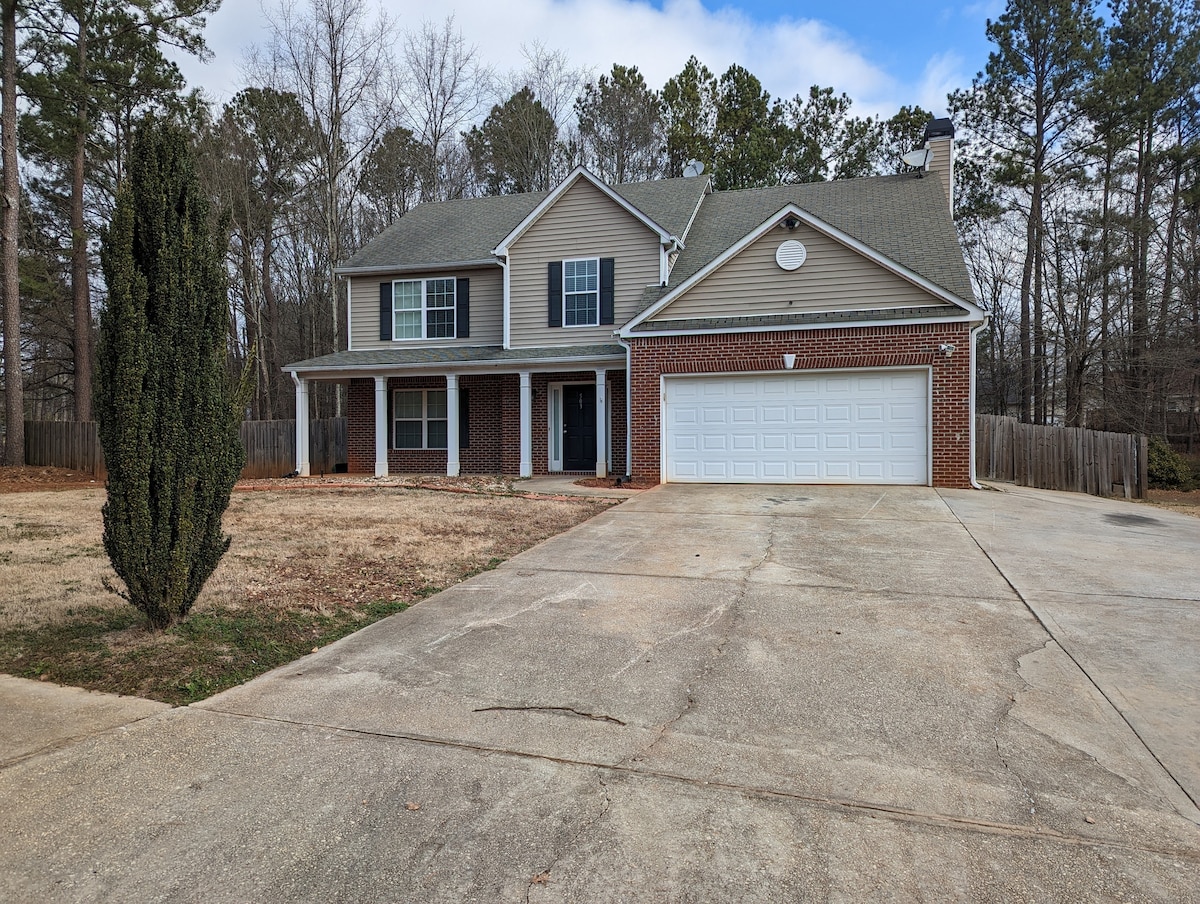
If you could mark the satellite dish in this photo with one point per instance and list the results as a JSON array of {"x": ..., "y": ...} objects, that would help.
[
  {"x": 918, "y": 159},
  {"x": 693, "y": 168}
]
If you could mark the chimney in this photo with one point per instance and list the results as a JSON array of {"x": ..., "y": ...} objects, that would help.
[{"x": 939, "y": 140}]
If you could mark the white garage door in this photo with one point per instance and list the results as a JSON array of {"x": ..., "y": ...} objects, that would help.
[{"x": 833, "y": 427}]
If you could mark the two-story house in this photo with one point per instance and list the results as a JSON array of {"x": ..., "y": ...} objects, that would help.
[{"x": 817, "y": 333}]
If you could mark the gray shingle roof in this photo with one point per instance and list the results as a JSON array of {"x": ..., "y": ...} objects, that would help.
[
  {"x": 436, "y": 234},
  {"x": 668, "y": 202},
  {"x": 459, "y": 354},
  {"x": 905, "y": 218}
]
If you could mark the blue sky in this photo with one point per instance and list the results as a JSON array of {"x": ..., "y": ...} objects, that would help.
[{"x": 883, "y": 54}]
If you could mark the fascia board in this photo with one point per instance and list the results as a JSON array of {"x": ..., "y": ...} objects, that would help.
[
  {"x": 417, "y": 268},
  {"x": 962, "y": 317},
  {"x": 551, "y": 199},
  {"x": 821, "y": 226},
  {"x": 506, "y": 366}
]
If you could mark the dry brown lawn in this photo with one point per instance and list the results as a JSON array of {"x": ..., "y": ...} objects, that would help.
[
  {"x": 1185, "y": 501},
  {"x": 312, "y": 548},
  {"x": 310, "y": 562}
]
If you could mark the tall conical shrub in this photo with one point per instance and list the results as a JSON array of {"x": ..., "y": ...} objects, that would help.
[{"x": 166, "y": 407}]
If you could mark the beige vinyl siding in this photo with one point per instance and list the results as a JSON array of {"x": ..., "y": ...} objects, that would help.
[
  {"x": 832, "y": 278},
  {"x": 583, "y": 223},
  {"x": 941, "y": 163},
  {"x": 487, "y": 310}
]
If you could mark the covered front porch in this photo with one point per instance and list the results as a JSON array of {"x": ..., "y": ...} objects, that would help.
[{"x": 517, "y": 412}]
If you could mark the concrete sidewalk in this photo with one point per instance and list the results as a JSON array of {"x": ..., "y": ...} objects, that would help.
[{"x": 703, "y": 694}]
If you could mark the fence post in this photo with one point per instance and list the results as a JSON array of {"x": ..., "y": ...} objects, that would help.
[{"x": 1143, "y": 478}]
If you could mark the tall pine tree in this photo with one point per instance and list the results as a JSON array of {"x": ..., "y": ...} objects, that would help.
[{"x": 168, "y": 412}]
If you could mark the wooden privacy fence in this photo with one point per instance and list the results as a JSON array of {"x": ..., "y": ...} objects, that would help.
[
  {"x": 1060, "y": 458},
  {"x": 270, "y": 446}
]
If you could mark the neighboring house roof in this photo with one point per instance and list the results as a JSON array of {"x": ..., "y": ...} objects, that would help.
[
  {"x": 460, "y": 354},
  {"x": 439, "y": 235},
  {"x": 905, "y": 218}
]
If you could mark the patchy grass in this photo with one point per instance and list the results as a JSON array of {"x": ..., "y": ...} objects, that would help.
[{"x": 305, "y": 569}]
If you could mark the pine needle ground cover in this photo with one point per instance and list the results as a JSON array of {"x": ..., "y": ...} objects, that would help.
[{"x": 305, "y": 568}]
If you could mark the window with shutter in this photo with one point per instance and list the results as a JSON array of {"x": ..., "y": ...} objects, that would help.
[{"x": 424, "y": 309}]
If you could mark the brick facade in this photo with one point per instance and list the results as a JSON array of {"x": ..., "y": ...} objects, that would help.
[
  {"x": 850, "y": 347},
  {"x": 494, "y": 428}
]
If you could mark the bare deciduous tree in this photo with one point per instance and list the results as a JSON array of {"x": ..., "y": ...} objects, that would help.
[
  {"x": 443, "y": 89},
  {"x": 335, "y": 59}
]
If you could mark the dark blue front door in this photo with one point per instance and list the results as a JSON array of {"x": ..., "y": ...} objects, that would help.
[{"x": 579, "y": 428}]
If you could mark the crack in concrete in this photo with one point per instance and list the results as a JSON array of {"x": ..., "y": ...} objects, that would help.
[
  {"x": 1008, "y": 767},
  {"x": 502, "y": 621},
  {"x": 1046, "y": 625},
  {"x": 568, "y": 710},
  {"x": 543, "y": 877},
  {"x": 728, "y": 614}
]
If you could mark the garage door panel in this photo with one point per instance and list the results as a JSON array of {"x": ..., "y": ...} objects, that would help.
[
  {"x": 798, "y": 428},
  {"x": 869, "y": 470}
]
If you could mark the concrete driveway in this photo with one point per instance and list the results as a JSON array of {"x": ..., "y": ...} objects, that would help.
[{"x": 704, "y": 694}]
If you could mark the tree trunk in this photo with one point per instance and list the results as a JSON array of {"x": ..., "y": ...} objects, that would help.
[
  {"x": 80, "y": 293},
  {"x": 1106, "y": 289},
  {"x": 1139, "y": 345},
  {"x": 1026, "y": 332},
  {"x": 14, "y": 391}
]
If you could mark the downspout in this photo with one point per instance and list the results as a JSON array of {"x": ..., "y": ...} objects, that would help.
[
  {"x": 628, "y": 403},
  {"x": 975, "y": 331},
  {"x": 507, "y": 329}
]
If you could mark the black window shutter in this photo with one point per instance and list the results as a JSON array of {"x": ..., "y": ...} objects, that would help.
[
  {"x": 385, "y": 311},
  {"x": 462, "y": 303},
  {"x": 607, "y": 308},
  {"x": 554, "y": 294},
  {"x": 464, "y": 419}
]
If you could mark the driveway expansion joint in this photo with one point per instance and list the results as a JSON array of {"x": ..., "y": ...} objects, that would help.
[{"x": 850, "y": 806}]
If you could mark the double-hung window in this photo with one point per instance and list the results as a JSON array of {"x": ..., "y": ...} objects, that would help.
[
  {"x": 419, "y": 419},
  {"x": 581, "y": 292},
  {"x": 423, "y": 308}
]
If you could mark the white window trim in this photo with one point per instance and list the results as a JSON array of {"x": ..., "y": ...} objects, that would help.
[
  {"x": 574, "y": 326},
  {"x": 425, "y": 309},
  {"x": 425, "y": 419}
]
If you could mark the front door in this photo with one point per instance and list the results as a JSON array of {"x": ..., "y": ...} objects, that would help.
[{"x": 579, "y": 428}]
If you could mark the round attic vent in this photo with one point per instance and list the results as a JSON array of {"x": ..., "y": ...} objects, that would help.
[{"x": 791, "y": 255}]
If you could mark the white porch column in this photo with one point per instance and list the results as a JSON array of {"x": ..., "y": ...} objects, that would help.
[
  {"x": 601, "y": 424},
  {"x": 301, "y": 425},
  {"x": 452, "y": 466},
  {"x": 526, "y": 424},
  {"x": 381, "y": 427}
]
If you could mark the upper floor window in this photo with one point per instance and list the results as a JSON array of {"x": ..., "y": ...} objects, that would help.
[
  {"x": 423, "y": 309},
  {"x": 581, "y": 292}
]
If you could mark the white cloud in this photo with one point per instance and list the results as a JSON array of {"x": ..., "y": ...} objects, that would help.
[
  {"x": 788, "y": 55},
  {"x": 943, "y": 74}
]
